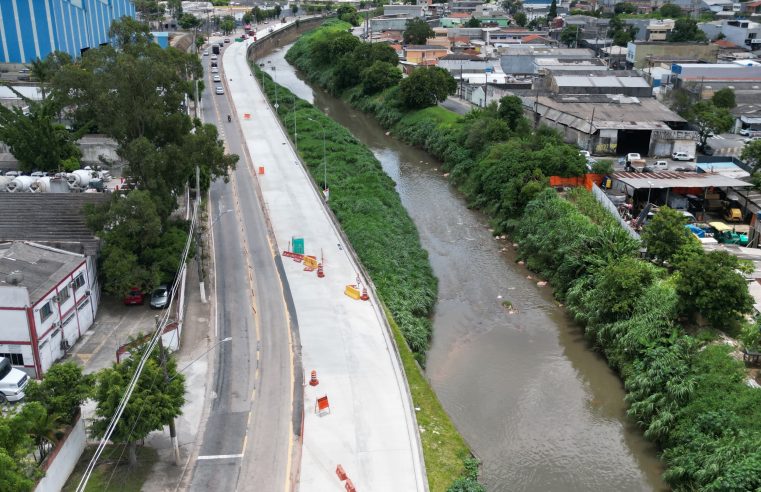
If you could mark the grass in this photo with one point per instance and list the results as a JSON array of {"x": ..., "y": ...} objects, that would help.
[
  {"x": 444, "y": 449},
  {"x": 124, "y": 479},
  {"x": 437, "y": 114}
]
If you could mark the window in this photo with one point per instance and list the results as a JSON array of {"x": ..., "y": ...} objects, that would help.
[
  {"x": 16, "y": 359},
  {"x": 83, "y": 304},
  {"x": 64, "y": 294},
  {"x": 67, "y": 320},
  {"x": 79, "y": 281},
  {"x": 45, "y": 311}
]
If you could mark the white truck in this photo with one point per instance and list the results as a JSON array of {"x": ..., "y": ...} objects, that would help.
[
  {"x": 12, "y": 382},
  {"x": 635, "y": 162}
]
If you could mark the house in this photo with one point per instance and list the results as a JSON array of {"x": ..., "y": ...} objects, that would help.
[
  {"x": 424, "y": 54},
  {"x": 612, "y": 123},
  {"x": 516, "y": 35},
  {"x": 641, "y": 54},
  {"x": 751, "y": 8},
  {"x": 48, "y": 298},
  {"x": 626, "y": 83},
  {"x": 464, "y": 6},
  {"x": 405, "y": 9},
  {"x": 589, "y": 27},
  {"x": 741, "y": 32},
  {"x": 397, "y": 22},
  {"x": 457, "y": 63},
  {"x": 719, "y": 7},
  {"x": 524, "y": 59},
  {"x": 659, "y": 29}
]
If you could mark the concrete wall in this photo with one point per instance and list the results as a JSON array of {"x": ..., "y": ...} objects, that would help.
[
  {"x": 638, "y": 53},
  {"x": 95, "y": 146},
  {"x": 265, "y": 44},
  {"x": 61, "y": 462}
]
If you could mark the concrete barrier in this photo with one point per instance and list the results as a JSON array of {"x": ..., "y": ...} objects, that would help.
[{"x": 61, "y": 461}]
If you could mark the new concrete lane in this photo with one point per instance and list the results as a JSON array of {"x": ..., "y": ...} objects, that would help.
[
  {"x": 370, "y": 428},
  {"x": 247, "y": 436}
]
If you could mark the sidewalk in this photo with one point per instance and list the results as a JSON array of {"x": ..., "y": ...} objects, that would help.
[
  {"x": 115, "y": 325},
  {"x": 370, "y": 429}
]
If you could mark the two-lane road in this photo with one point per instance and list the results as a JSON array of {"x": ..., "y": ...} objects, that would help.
[{"x": 248, "y": 436}]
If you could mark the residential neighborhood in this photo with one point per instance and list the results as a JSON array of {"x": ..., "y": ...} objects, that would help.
[{"x": 371, "y": 245}]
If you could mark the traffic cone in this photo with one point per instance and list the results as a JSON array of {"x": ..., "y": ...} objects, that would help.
[
  {"x": 320, "y": 273},
  {"x": 364, "y": 297},
  {"x": 313, "y": 380}
]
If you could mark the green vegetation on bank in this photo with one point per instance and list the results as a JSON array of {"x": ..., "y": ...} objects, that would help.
[
  {"x": 688, "y": 395},
  {"x": 110, "y": 475}
]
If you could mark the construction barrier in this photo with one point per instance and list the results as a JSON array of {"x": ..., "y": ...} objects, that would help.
[
  {"x": 341, "y": 473},
  {"x": 322, "y": 405},
  {"x": 350, "y": 486},
  {"x": 261, "y": 169},
  {"x": 296, "y": 257},
  {"x": 585, "y": 180},
  {"x": 313, "y": 379},
  {"x": 311, "y": 262},
  {"x": 353, "y": 292},
  {"x": 246, "y": 116},
  {"x": 320, "y": 272}
]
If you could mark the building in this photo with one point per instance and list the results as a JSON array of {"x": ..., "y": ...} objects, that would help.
[
  {"x": 389, "y": 22},
  {"x": 31, "y": 29},
  {"x": 48, "y": 298},
  {"x": 523, "y": 59},
  {"x": 609, "y": 82},
  {"x": 650, "y": 53},
  {"x": 751, "y": 8},
  {"x": 613, "y": 124},
  {"x": 405, "y": 9},
  {"x": 741, "y": 32},
  {"x": 424, "y": 54}
]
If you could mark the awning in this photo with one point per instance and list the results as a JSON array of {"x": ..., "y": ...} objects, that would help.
[{"x": 669, "y": 179}]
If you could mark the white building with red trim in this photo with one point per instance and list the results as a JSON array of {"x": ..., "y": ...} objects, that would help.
[{"x": 48, "y": 298}]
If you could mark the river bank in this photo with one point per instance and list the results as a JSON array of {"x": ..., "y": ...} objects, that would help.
[{"x": 540, "y": 409}]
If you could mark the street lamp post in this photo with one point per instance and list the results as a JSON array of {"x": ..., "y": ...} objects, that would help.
[
  {"x": 324, "y": 160},
  {"x": 649, "y": 189}
]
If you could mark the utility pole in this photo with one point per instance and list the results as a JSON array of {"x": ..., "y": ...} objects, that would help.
[{"x": 172, "y": 429}]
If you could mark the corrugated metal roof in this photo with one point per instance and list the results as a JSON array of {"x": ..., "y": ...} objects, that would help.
[{"x": 668, "y": 179}]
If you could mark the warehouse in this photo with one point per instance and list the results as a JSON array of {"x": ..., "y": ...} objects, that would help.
[{"x": 31, "y": 29}]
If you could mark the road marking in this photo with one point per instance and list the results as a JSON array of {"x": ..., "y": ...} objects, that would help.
[{"x": 220, "y": 456}]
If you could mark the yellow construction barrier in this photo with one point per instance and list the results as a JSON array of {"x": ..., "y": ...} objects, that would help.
[
  {"x": 353, "y": 292},
  {"x": 310, "y": 262}
]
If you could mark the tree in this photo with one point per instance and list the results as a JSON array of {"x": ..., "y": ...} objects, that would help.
[
  {"x": 417, "y": 31},
  {"x": 553, "y": 12},
  {"x": 150, "y": 10},
  {"x": 751, "y": 154},
  {"x": 175, "y": 8},
  {"x": 724, "y": 98},
  {"x": 153, "y": 404},
  {"x": 426, "y": 87},
  {"x": 43, "y": 71},
  {"x": 708, "y": 119},
  {"x": 188, "y": 21},
  {"x": 248, "y": 17},
  {"x": 63, "y": 389},
  {"x": 710, "y": 283},
  {"x": 537, "y": 22},
  {"x": 624, "y": 8},
  {"x": 570, "y": 36},
  {"x": 294, "y": 9},
  {"x": 472, "y": 22},
  {"x": 379, "y": 76},
  {"x": 227, "y": 25},
  {"x": 671, "y": 11},
  {"x": 277, "y": 10},
  {"x": 12, "y": 476},
  {"x": 520, "y": 19},
  {"x": 686, "y": 30},
  {"x": 511, "y": 110},
  {"x": 665, "y": 234},
  {"x": 36, "y": 139}
]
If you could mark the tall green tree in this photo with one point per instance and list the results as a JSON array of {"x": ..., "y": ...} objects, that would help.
[
  {"x": 380, "y": 75},
  {"x": 624, "y": 8},
  {"x": 417, "y": 31},
  {"x": 227, "y": 24},
  {"x": 553, "y": 12},
  {"x": 150, "y": 10},
  {"x": 569, "y": 36},
  {"x": 36, "y": 138},
  {"x": 43, "y": 71},
  {"x": 175, "y": 8},
  {"x": 751, "y": 154},
  {"x": 711, "y": 284},
  {"x": 665, "y": 234},
  {"x": 520, "y": 19},
  {"x": 277, "y": 10},
  {"x": 154, "y": 402},
  {"x": 511, "y": 110},
  {"x": 63, "y": 389},
  {"x": 294, "y": 9},
  {"x": 724, "y": 98},
  {"x": 709, "y": 119},
  {"x": 426, "y": 87},
  {"x": 671, "y": 11},
  {"x": 686, "y": 30},
  {"x": 472, "y": 22}
]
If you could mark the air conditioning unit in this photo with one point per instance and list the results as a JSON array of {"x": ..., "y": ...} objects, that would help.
[
  {"x": 72, "y": 285},
  {"x": 56, "y": 299},
  {"x": 65, "y": 344}
]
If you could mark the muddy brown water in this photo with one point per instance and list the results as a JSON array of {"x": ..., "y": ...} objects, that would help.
[{"x": 540, "y": 409}]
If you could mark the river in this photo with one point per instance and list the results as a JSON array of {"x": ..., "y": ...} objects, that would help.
[{"x": 540, "y": 409}]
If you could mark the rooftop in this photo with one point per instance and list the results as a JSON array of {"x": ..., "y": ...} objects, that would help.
[
  {"x": 609, "y": 81},
  {"x": 34, "y": 266},
  {"x": 668, "y": 179}
]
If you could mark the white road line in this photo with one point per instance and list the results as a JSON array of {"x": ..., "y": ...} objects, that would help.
[{"x": 219, "y": 456}]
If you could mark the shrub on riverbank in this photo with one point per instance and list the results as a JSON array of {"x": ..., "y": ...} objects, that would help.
[{"x": 689, "y": 397}]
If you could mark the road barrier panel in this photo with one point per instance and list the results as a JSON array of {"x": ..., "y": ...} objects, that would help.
[{"x": 353, "y": 292}]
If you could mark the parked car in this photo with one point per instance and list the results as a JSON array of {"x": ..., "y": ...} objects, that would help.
[
  {"x": 227, "y": 40},
  {"x": 134, "y": 296},
  {"x": 752, "y": 139},
  {"x": 214, "y": 69},
  {"x": 657, "y": 166},
  {"x": 12, "y": 382},
  {"x": 219, "y": 90},
  {"x": 160, "y": 297},
  {"x": 585, "y": 154},
  {"x": 214, "y": 57},
  {"x": 216, "y": 78},
  {"x": 682, "y": 156},
  {"x": 206, "y": 53}
]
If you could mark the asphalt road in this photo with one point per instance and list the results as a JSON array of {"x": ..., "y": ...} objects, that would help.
[{"x": 247, "y": 439}]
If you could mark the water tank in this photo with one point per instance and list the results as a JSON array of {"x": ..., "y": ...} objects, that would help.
[
  {"x": 48, "y": 184},
  {"x": 4, "y": 180},
  {"x": 79, "y": 179},
  {"x": 20, "y": 183}
]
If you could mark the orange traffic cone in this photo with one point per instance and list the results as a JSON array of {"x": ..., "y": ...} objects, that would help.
[
  {"x": 320, "y": 273},
  {"x": 313, "y": 380},
  {"x": 364, "y": 297}
]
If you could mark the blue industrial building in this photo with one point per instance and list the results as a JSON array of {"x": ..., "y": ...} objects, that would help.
[{"x": 30, "y": 29}]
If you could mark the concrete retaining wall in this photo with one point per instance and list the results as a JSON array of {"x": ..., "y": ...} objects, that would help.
[
  {"x": 286, "y": 35},
  {"x": 61, "y": 462}
]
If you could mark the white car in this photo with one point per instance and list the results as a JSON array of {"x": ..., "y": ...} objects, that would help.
[
  {"x": 216, "y": 78},
  {"x": 12, "y": 381},
  {"x": 682, "y": 156},
  {"x": 585, "y": 154},
  {"x": 752, "y": 139},
  {"x": 213, "y": 57},
  {"x": 219, "y": 90},
  {"x": 214, "y": 70},
  {"x": 206, "y": 53}
]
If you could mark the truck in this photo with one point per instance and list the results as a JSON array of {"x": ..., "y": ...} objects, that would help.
[
  {"x": 634, "y": 162},
  {"x": 12, "y": 382},
  {"x": 215, "y": 49}
]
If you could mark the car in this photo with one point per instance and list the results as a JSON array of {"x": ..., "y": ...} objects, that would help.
[
  {"x": 682, "y": 156},
  {"x": 745, "y": 132},
  {"x": 752, "y": 139},
  {"x": 219, "y": 90},
  {"x": 160, "y": 297},
  {"x": 227, "y": 40},
  {"x": 216, "y": 78},
  {"x": 656, "y": 166},
  {"x": 213, "y": 57},
  {"x": 134, "y": 297},
  {"x": 12, "y": 382},
  {"x": 585, "y": 154},
  {"x": 206, "y": 53},
  {"x": 214, "y": 69},
  {"x": 214, "y": 64}
]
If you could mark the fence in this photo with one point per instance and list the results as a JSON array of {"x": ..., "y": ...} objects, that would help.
[
  {"x": 62, "y": 460},
  {"x": 611, "y": 207}
]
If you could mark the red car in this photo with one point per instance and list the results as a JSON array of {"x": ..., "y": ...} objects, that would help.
[{"x": 133, "y": 297}]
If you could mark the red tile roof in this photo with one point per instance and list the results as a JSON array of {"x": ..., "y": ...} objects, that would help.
[{"x": 723, "y": 43}]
